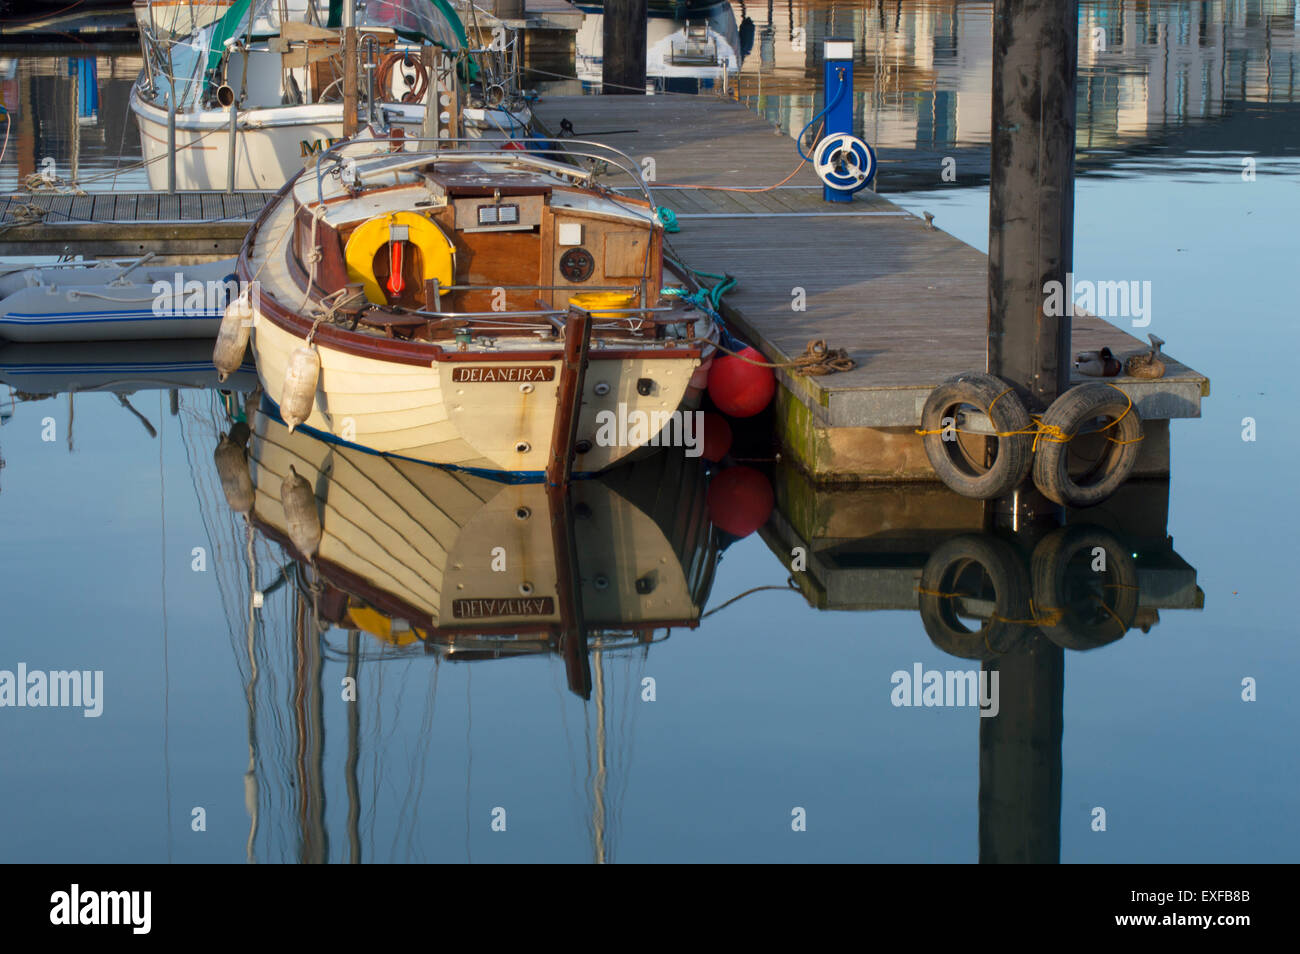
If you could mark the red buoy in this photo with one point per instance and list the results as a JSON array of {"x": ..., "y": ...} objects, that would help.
[
  {"x": 739, "y": 388},
  {"x": 717, "y": 437},
  {"x": 740, "y": 500},
  {"x": 514, "y": 144}
]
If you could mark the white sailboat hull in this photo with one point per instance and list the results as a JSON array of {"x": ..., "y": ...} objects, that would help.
[
  {"x": 422, "y": 413},
  {"x": 273, "y": 144}
]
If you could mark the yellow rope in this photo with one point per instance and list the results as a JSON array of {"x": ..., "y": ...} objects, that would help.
[
  {"x": 1051, "y": 433},
  {"x": 941, "y": 594}
]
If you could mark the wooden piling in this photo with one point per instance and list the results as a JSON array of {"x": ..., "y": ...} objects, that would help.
[
  {"x": 1031, "y": 193},
  {"x": 623, "y": 60}
]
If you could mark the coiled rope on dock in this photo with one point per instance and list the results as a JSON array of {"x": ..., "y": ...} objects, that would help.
[
  {"x": 817, "y": 358},
  {"x": 25, "y": 214},
  {"x": 41, "y": 182}
]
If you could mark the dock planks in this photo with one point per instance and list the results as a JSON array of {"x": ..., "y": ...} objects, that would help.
[{"x": 127, "y": 223}]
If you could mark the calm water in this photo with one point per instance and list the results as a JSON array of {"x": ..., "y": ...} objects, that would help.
[{"x": 121, "y": 554}]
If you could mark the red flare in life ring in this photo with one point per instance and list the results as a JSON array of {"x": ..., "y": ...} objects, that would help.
[{"x": 395, "y": 283}]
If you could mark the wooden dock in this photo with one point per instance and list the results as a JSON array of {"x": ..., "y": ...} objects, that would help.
[
  {"x": 127, "y": 223},
  {"x": 909, "y": 303}
]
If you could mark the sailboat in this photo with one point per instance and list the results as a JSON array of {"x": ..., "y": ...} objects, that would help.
[
  {"x": 457, "y": 305},
  {"x": 259, "y": 91}
]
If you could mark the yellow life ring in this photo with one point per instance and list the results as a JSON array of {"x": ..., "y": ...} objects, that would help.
[
  {"x": 380, "y": 626},
  {"x": 436, "y": 250}
]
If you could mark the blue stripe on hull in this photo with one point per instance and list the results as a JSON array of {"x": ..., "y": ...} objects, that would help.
[{"x": 271, "y": 409}]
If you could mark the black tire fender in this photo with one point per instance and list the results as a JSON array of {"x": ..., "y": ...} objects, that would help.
[
  {"x": 953, "y": 460},
  {"x": 950, "y": 570},
  {"x": 1083, "y": 609},
  {"x": 1070, "y": 413}
]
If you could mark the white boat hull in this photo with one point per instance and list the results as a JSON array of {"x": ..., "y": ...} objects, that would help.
[
  {"x": 272, "y": 144},
  {"x": 421, "y": 413}
]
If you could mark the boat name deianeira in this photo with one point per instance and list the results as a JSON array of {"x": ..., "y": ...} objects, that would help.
[{"x": 459, "y": 304}]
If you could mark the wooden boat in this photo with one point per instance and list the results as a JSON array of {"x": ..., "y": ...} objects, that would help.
[
  {"x": 114, "y": 301},
  {"x": 475, "y": 567},
  {"x": 511, "y": 269}
]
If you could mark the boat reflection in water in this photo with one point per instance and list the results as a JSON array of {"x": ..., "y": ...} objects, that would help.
[
  {"x": 472, "y": 567},
  {"x": 445, "y": 563}
]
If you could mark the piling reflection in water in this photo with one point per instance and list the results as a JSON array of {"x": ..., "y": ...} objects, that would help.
[{"x": 1021, "y": 601}]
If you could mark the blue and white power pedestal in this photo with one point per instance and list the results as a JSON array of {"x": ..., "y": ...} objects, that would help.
[
  {"x": 837, "y": 81},
  {"x": 844, "y": 163}
]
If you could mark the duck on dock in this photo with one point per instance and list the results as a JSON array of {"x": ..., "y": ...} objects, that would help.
[
  {"x": 1097, "y": 364},
  {"x": 1148, "y": 365}
]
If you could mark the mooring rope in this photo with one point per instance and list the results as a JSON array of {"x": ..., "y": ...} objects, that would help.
[
  {"x": 1050, "y": 433},
  {"x": 25, "y": 214},
  {"x": 817, "y": 359}
]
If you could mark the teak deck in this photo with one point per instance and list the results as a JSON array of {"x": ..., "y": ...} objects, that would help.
[{"x": 909, "y": 303}]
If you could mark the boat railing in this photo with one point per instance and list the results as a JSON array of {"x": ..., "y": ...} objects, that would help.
[
  {"x": 645, "y": 315},
  {"x": 538, "y": 158}
]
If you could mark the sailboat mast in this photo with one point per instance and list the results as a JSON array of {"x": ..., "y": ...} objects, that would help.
[
  {"x": 350, "y": 107},
  {"x": 598, "y": 787},
  {"x": 354, "y": 750}
]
